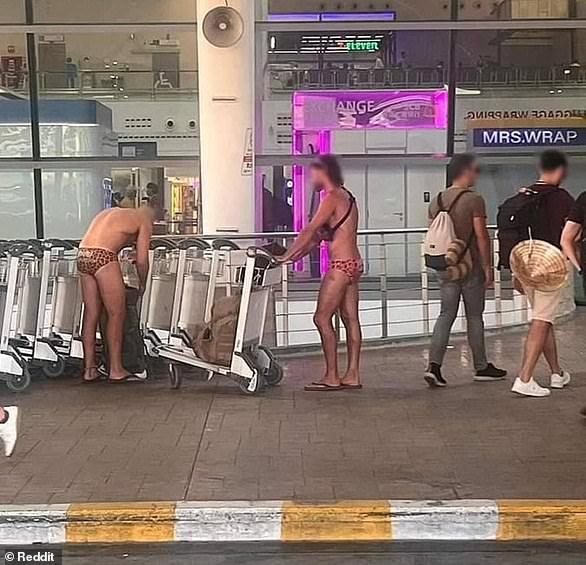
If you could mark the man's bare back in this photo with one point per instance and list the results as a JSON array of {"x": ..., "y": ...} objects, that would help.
[{"x": 113, "y": 229}]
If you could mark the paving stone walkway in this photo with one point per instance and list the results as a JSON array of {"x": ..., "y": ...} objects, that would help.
[{"x": 395, "y": 439}]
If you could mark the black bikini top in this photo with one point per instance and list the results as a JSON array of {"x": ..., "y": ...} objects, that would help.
[{"x": 326, "y": 233}]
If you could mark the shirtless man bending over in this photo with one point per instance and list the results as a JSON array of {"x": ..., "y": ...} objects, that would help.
[
  {"x": 336, "y": 221},
  {"x": 102, "y": 284}
]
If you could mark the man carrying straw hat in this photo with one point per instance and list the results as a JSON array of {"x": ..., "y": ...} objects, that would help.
[{"x": 541, "y": 271}]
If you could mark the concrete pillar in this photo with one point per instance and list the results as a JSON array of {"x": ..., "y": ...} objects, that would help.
[{"x": 226, "y": 110}]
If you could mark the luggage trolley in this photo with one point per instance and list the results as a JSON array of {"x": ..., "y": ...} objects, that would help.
[
  {"x": 61, "y": 296},
  {"x": 253, "y": 272},
  {"x": 157, "y": 301},
  {"x": 195, "y": 261},
  {"x": 30, "y": 305},
  {"x": 13, "y": 366}
]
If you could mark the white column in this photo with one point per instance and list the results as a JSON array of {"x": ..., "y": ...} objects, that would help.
[{"x": 226, "y": 110}]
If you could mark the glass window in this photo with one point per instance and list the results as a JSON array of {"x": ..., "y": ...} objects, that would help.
[
  {"x": 12, "y": 12},
  {"x": 520, "y": 91},
  {"x": 15, "y": 130},
  {"x": 73, "y": 196},
  {"x": 518, "y": 9},
  {"x": 382, "y": 88},
  {"x": 355, "y": 59},
  {"x": 86, "y": 82},
  {"x": 362, "y": 10},
  {"x": 17, "y": 208},
  {"x": 114, "y": 11}
]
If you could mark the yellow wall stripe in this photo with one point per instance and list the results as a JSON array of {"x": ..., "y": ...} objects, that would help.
[
  {"x": 121, "y": 523},
  {"x": 343, "y": 521},
  {"x": 542, "y": 520}
]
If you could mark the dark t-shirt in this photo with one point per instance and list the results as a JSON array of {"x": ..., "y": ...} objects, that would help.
[
  {"x": 578, "y": 211},
  {"x": 556, "y": 205}
]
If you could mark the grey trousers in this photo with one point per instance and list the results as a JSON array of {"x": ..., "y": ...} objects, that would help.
[{"x": 473, "y": 292}]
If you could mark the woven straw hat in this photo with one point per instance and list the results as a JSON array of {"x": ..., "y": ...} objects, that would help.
[{"x": 539, "y": 265}]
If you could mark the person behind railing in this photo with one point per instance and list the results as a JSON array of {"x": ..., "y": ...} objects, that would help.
[
  {"x": 335, "y": 221},
  {"x": 70, "y": 72},
  {"x": 467, "y": 210}
]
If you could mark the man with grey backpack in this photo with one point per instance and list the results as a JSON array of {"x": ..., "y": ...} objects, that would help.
[{"x": 457, "y": 247}]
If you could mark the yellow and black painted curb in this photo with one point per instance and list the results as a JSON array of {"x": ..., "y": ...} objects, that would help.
[{"x": 356, "y": 520}]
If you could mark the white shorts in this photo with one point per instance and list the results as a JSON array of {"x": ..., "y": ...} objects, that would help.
[{"x": 544, "y": 305}]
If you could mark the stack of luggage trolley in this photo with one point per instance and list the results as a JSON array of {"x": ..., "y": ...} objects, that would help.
[{"x": 41, "y": 307}]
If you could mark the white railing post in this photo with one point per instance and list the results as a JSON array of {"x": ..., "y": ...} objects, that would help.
[
  {"x": 498, "y": 299},
  {"x": 383, "y": 289},
  {"x": 425, "y": 292},
  {"x": 285, "y": 298}
]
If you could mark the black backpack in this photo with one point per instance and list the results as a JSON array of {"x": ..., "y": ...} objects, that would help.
[{"x": 518, "y": 219}]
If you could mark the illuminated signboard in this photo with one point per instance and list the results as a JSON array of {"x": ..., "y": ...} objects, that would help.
[
  {"x": 358, "y": 45},
  {"x": 529, "y": 137}
]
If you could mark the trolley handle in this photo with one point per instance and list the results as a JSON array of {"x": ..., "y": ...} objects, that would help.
[
  {"x": 58, "y": 243},
  {"x": 25, "y": 248},
  {"x": 259, "y": 252},
  {"x": 193, "y": 243},
  {"x": 219, "y": 244},
  {"x": 166, "y": 244}
]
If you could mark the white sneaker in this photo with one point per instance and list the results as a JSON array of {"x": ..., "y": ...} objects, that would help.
[
  {"x": 529, "y": 389},
  {"x": 560, "y": 381},
  {"x": 9, "y": 430}
]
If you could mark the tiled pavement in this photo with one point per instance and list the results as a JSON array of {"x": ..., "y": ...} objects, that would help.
[{"x": 394, "y": 439}]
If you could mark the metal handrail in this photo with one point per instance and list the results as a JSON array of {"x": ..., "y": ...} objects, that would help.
[
  {"x": 395, "y": 304},
  {"x": 289, "y": 235}
]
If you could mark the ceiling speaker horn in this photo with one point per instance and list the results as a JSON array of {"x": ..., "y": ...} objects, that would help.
[{"x": 223, "y": 26}]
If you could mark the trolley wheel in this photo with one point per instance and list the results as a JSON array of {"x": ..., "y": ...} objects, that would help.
[
  {"x": 54, "y": 369},
  {"x": 250, "y": 386},
  {"x": 18, "y": 383},
  {"x": 175, "y": 376},
  {"x": 273, "y": 375}
]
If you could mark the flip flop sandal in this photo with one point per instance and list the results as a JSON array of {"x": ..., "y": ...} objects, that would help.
[
  {"x": 319, "y": 387},
  {"x": 130, "y": 378},
  {"x": 351, "y": 387}
]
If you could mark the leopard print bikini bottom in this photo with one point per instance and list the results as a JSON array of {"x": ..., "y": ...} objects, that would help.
[
  {"x": 91, "y": 259},
  {"x": 352, "y": 268}
]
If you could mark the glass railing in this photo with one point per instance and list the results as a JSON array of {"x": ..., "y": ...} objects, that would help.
[
  {"x": 107, "y": 84},
  {"x": 433, "y": 77},
  {"x": 399, "y": 296}
]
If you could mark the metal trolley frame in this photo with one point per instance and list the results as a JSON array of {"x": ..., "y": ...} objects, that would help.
[{"x": 252, "y": 365}]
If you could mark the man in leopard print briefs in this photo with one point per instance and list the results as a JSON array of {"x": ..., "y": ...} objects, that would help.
[
  {"x": 336, "y": 221},
  {"x": 102, "y": 283}
]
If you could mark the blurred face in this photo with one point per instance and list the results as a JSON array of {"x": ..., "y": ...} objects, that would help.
[
  {"x": 471, "y": 174},
  {"x": 560, "y": 174},
  {"x": 317, "y": 177}
]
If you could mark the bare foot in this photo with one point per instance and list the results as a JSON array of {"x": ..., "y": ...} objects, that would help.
[
  {"x": 91, "y": 375},
  {"x": 329, "y": 380},
  {"x": 120, "y": 375},
  {"x": 351, "y": 378}
]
